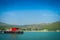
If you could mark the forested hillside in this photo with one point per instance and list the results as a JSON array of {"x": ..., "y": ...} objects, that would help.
[{"x": 50, "y": 26}]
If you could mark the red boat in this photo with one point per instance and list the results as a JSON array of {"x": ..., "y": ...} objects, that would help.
[{"x": 14, "y": 30}]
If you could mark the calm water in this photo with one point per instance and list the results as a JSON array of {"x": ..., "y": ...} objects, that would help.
[{"x": 32, "y": 36}]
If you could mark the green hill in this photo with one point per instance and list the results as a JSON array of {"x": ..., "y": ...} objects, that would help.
[{"x": 50, "y": 26}]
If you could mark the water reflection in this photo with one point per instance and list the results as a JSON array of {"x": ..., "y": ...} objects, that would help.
[
  {"x": 15, "y": 36},
  {"x": 9, "y": 36}
]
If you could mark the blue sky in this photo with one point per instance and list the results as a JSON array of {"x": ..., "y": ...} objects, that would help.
[{"x": 21, "y": 12}]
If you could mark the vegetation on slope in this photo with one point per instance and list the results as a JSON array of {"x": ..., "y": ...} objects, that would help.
[{"x": 51, "y": 27}]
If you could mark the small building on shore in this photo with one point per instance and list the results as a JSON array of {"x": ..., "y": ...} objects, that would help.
[
  {"x": 57, "y": 30},
  {"x": 44, "y": 30}
]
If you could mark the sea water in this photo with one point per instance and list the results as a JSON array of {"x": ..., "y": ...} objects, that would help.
[{"x": 31, "y": 36}]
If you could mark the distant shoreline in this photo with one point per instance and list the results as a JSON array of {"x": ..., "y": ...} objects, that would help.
[{"x": 41, "y": 31}]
